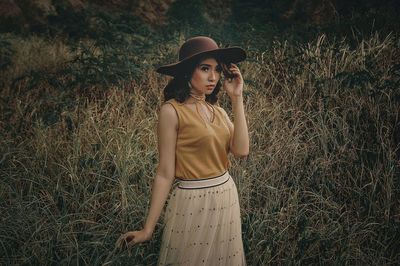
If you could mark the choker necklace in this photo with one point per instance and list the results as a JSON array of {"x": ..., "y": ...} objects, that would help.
[{"x": 197, "y": 97}]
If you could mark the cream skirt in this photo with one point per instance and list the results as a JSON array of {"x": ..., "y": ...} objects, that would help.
[{"x": 202, "y": 224}]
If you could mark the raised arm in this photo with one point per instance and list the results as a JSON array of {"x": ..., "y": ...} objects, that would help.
[
  {"x": 167, "y": 134},
  {"x": 239, "y": 145}
]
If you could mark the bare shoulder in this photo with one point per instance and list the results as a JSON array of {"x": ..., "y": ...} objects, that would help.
[{"x": 168, "y": 114}]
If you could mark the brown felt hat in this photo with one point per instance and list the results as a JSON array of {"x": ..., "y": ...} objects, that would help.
[{"x": 197, "y": 47}]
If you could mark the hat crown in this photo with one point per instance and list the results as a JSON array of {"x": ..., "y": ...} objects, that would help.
[{"x": 196, "y": 45}]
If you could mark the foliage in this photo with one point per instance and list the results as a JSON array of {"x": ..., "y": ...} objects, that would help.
[
  {"x": 78, "y": 152},
  {"x": 321, "y": 184},
  {"x": 6, "y": 53}
]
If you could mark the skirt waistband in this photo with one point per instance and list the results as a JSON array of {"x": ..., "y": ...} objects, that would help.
[{"x": 203, "y": 183}]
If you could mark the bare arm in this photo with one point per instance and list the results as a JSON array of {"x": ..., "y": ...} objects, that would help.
[
  {"x": 167, "y": 134},
  {"x": 240, "y": 141}
]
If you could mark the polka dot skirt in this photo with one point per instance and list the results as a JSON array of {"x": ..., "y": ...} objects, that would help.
[{"x": 203, "y": 227}]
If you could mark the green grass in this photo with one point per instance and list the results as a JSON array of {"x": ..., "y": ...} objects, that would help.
[{"x": 321, "y": 184}]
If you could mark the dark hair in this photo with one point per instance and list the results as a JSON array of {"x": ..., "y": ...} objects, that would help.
[{"x": 178, "y": 87}]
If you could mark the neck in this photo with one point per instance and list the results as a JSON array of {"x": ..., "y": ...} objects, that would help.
[{"x": 198, "y": 97}]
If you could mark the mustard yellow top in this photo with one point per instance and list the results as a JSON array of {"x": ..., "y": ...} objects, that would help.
[{"x": 202, "y": 146}]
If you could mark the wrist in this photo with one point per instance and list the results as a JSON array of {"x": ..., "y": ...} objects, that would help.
[
  {"x": 236, "y": 98},
  {"x": 148, "y": 231}
]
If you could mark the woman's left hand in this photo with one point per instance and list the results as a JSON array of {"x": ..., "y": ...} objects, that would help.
[{"x": 234, "y": 86}]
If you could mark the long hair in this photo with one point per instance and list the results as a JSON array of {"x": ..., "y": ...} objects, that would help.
[{"x": 178, "y": 88}]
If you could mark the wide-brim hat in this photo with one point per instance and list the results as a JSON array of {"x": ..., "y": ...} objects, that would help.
[{"x": 197, "y": 47}]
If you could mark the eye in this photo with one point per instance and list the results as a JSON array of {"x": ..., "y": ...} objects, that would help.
[{"x": 218, "y": 69}]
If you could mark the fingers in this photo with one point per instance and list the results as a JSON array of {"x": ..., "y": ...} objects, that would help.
[
  {"x": 121, "y": 243},
  {"x": 131, "y": 243},
  {"x": 225, "y": 67},
  {"x": 233, "y": 66},
  {"x": 126, "y": 240},
  {"x": 236, "y": 73},
  {"x": 234, "y": 69}
]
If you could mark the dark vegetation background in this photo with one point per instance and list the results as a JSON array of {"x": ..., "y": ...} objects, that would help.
[{"x": 78, "y": 112}]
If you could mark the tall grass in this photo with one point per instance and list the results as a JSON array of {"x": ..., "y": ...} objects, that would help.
[
  {"x": 321, "y": 184},
  {"x": 325, "y": 174}
]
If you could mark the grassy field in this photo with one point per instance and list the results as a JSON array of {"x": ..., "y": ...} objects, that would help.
[{"x": 78, "y": 150}]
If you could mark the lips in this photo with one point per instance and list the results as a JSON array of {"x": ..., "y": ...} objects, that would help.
[{"x": 210, "y": 86}]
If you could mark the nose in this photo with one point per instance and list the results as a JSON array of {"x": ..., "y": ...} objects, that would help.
[{"x": 212, "y": 76}]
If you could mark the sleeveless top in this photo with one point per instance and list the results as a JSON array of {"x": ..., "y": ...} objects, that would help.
[{"x": 202, "y": 147}]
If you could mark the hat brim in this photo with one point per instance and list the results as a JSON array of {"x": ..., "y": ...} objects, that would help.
[{"x": 226, "y": 55}]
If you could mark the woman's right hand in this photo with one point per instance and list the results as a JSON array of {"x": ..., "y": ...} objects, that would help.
[{"x": 133, "y": 237}]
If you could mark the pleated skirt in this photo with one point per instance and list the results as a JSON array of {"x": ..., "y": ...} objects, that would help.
[{"x": 203, "y": 224}]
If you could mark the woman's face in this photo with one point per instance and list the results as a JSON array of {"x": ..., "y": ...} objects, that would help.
[{"x": 205, "y": 77}]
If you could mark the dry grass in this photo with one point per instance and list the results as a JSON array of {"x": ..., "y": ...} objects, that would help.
[{"x": 321, "y": 185}]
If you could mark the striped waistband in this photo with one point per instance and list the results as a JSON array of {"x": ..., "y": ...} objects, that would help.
[{"x": 203, "y": 183}]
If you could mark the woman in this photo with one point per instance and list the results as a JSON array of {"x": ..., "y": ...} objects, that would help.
[{"x": 202, "y": 220}]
